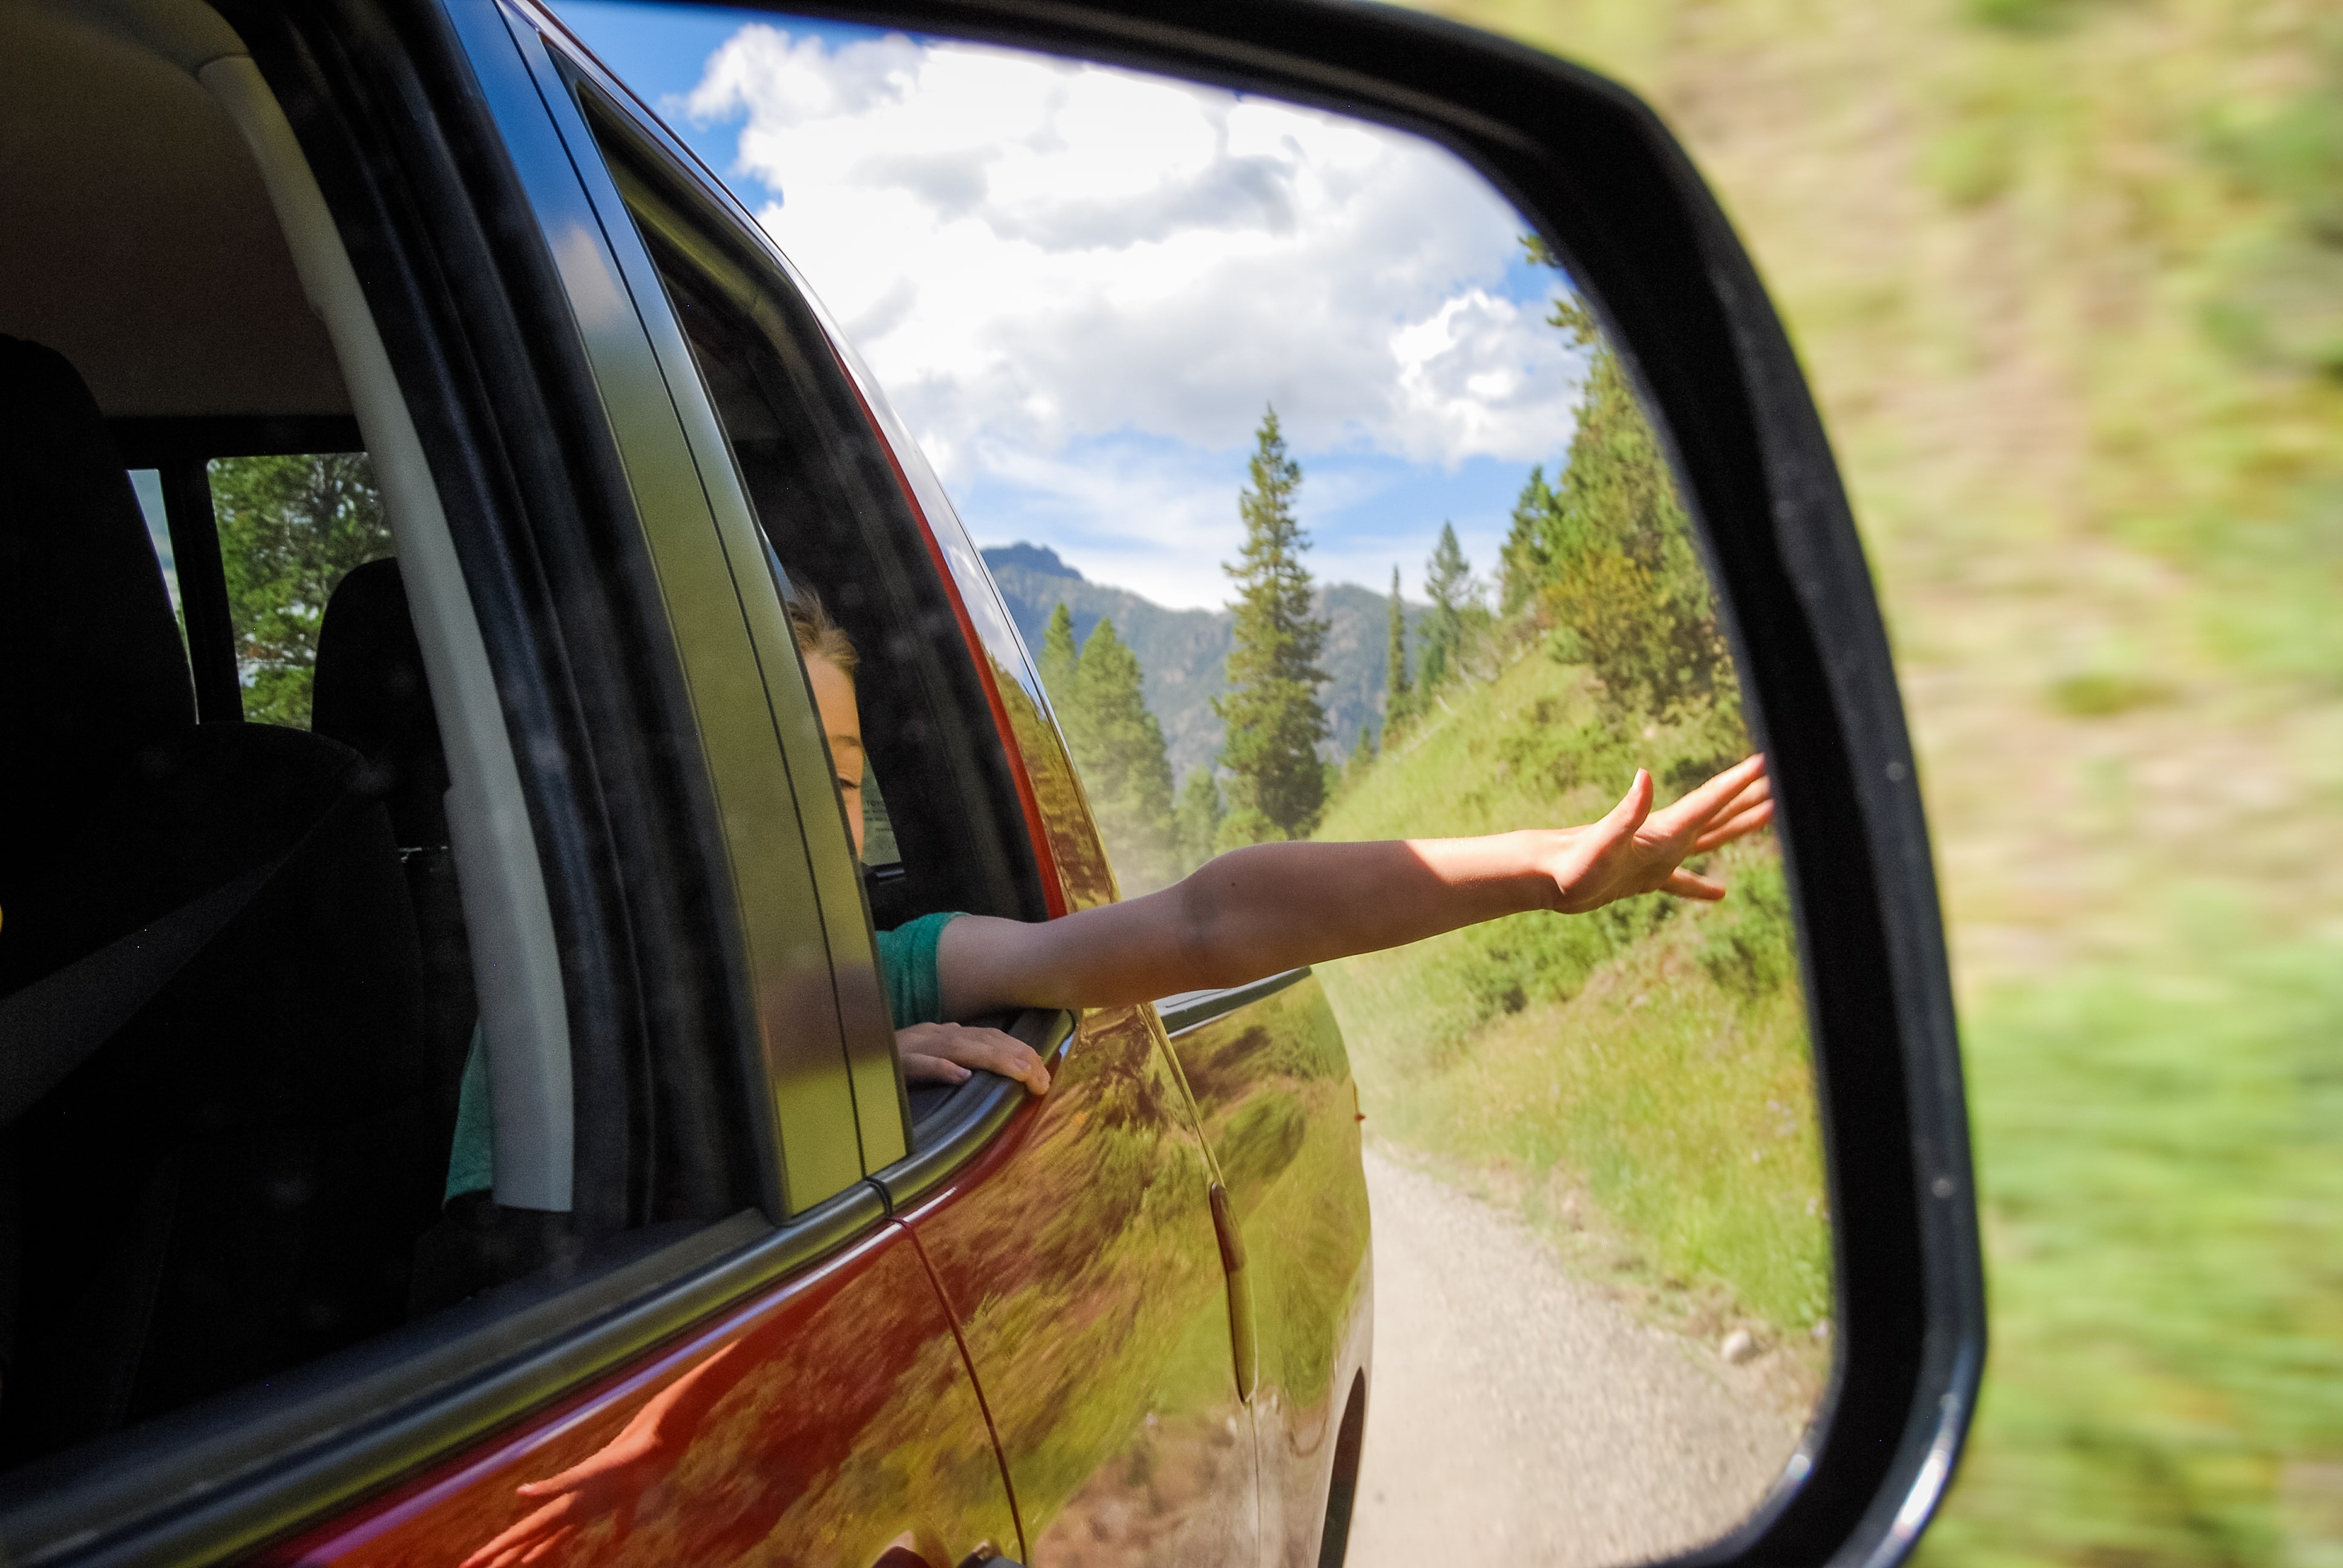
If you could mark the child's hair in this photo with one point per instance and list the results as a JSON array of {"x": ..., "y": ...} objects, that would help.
[{"x": 818, "y": 636}]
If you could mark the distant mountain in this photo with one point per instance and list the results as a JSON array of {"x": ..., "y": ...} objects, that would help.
[{"x": 1185, "y": 652}]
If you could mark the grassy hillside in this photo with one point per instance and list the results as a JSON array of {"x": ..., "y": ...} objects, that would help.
[
  {"x": 2065, "y": 276},
  {"x": 1637, "y": 1080}
]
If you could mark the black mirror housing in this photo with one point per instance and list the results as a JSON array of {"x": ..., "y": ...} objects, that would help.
[{"x": 1621, "y": 206}]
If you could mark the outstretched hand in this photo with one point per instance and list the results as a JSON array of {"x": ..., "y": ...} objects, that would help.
[
  {"x": 947, "y": 1052},
  {"x": 1635, "y": 849}
]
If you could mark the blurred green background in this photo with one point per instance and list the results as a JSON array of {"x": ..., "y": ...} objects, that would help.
[{"x": 2067, "y": 278}]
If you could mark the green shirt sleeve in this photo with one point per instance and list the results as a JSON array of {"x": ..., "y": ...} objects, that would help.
[
  {"x": 915, "y": 994},
  {"x": 472, "y": 1163},
  {"x": 907, "y": 965}
]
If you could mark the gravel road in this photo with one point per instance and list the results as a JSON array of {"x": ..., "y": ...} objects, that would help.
[{"x": 1519, "y": 1416}]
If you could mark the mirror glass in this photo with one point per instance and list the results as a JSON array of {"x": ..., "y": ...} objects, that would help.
[{"x": 1140, "y": 327}]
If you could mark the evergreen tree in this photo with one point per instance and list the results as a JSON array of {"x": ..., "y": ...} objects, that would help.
[
  {"x": 1521, "y": 569},
  {"x": 1606, "y": 552},
  {"x": 1362, "y": 759},
  {"x": 1060, "y": 658},
  {"x": 1448, "y": 583},
  {"x": 290, "y": 529},
  {"x": 1124, "y": 767},
  {"x": 1198, "y": 819},
  {"x": 1270, "y": 711},
  {"x": 1399, "y": 692}
]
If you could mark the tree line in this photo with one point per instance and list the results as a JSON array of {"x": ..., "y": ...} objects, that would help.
[{"x": 1600, "y": 567}]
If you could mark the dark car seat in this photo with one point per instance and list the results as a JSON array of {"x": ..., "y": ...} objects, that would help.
[
  {"x": 211, "y": 1076},
  {"x": 371, "y": 696}
]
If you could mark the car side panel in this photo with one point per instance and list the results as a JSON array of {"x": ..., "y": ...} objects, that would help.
[
  {"x": 834, "y": 1415},
  {"x": 1273, "y": 1085},
  {"x": 1080, "y": 1257}
]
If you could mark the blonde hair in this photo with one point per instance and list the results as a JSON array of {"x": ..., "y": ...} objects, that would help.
[{"x": 818, "y": 636}]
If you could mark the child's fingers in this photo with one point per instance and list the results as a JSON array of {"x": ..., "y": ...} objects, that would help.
[
  {"x": 550, "y": 1544},
  {"x": 1755, "y": 790},
  {"x": 1686, "y": 884},
  {"x": 1002, "y": 1053},
  {"x": 1714, "y": 796},
  {"x": 1634, "y": 807},
  {"x": 1738, "y": 826}
]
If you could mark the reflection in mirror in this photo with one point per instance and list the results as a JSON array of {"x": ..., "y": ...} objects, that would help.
[{"x": 1328, "y": 511}]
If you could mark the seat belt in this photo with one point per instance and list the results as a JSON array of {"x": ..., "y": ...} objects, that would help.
[{"x": 52, "y": 1026}]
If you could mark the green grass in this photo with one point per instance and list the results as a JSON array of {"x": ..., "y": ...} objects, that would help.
[
  {"x": 2047, "y": 263},
  {"x": 1636, "y": 1081},
  {"x": 2162, "y": 1169}
]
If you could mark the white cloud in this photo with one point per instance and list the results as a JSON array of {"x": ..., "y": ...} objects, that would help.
[{"x": 1030, "y": 252}]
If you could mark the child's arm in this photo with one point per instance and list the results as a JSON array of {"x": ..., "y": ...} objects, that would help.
[{"x": 1274, "y": 906}]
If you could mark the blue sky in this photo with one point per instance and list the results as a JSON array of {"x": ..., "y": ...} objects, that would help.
[{"x": 1082, "y": 286}]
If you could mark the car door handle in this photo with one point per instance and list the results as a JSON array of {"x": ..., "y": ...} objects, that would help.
[
  {"x": 1242, "y": 1343},
  {"x": 984, "y": 1556}
]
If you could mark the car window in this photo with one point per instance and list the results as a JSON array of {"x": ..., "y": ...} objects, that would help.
[
  {"x": 267, "y": 880},
  {"x": 291, "y": 526},
  {"x": 942, "y": 829}
]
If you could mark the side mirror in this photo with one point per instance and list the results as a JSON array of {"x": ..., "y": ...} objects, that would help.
[{"x": 1615, "y": 199}]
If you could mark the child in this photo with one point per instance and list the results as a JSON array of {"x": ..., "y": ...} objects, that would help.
[
  {"x": 1249, "y": 913},
  {"x": 1252, "y": 912}
]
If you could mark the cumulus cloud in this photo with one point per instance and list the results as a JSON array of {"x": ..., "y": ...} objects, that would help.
[{"x": 1032, "y": 252}]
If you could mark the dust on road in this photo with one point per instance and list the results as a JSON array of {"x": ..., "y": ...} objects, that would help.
[{"x": 1518, "y": 1415}]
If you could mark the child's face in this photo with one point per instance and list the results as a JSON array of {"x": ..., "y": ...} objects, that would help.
[{"x": 841, "y": 722}]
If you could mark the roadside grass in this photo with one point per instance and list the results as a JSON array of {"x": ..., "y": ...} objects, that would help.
[
  {"x": 2161, "y": 1159},
  {"x": 2011, "y": 239},
  {"x": 1635, "y": 1083}
]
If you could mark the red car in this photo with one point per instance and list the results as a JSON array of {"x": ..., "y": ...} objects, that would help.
[{"x": 737, "y": 1292}]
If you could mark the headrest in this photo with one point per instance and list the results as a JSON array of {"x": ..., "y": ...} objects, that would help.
[
  {"x": 371, "y": 696},
  {"x": 92, "y": 668}
]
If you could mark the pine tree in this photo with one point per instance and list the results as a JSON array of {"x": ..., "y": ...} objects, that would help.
[
  {"x": 1271, "y": 712},
  {"x": 1399, "y": 693},
  {"x": 1448, "y": 583},
  {"x": 1607, "y": 554},
  {"x": 1522, "y": 564},
  {"x": 1198, "y": 819},
  {"x": 1058, "y": 660},
  {"x": 1124, "y": 767}
]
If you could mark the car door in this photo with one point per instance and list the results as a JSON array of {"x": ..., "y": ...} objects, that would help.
[
  {"x": 1075, "y": 1242},
  {"x": 1273, "y": 1086},
  {"x": 831, "y": 1413},
  {"x": 688, "y": 1317}
]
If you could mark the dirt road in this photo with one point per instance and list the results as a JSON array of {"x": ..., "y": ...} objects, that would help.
[{"x": 1521, "y": 1417}]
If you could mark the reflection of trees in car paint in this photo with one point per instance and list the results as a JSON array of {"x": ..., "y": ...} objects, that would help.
[
  {"x": 850, "y": 1419},
  {"x": 1082, "y": 868},
  {"x": 1081, "y": 1258},
  {"x": 1273, "y": 1086}
]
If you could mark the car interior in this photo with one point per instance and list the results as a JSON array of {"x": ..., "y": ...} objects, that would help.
[
  {"x": 234, "y": 961},
  {"x": 236, "y": 967}
]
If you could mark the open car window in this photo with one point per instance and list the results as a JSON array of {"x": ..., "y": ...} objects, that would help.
[{"x": 942, "y": 830}]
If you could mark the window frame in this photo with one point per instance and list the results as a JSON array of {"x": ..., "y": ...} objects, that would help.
[
  {"x": 412, "y": 138},
  {"x": 704, "y": 229},
  {"x": 181, "y": 451}
]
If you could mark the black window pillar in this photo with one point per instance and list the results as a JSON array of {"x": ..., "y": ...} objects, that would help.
[{"x": 203, "y": 588}]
